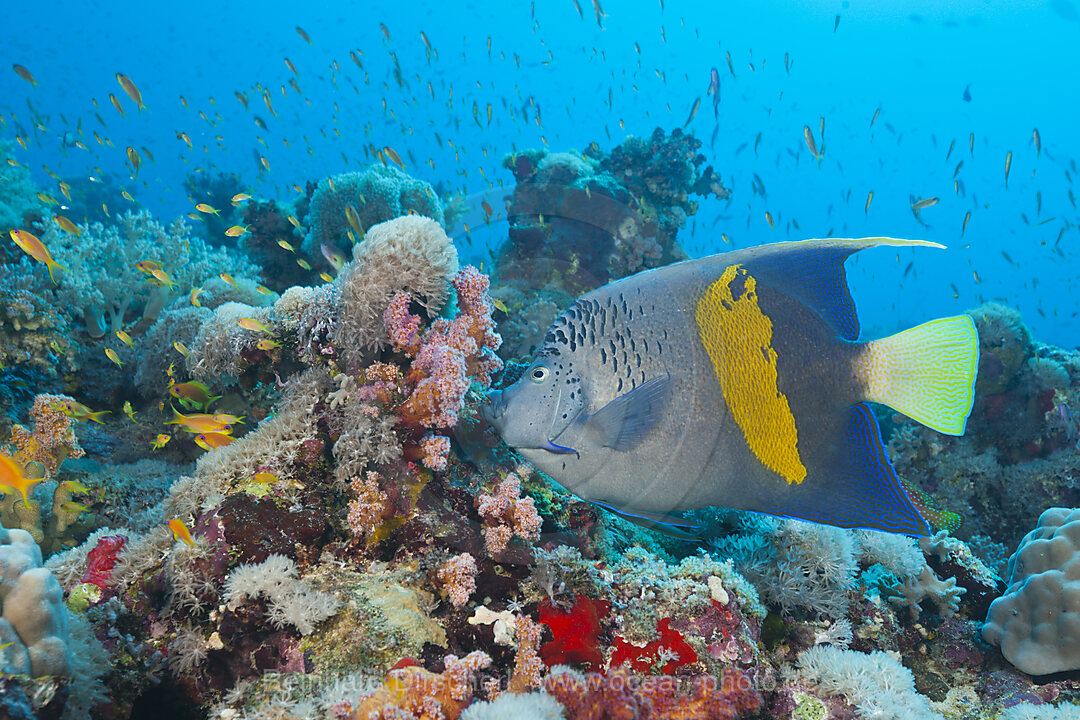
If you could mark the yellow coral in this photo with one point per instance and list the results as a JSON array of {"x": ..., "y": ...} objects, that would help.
[{"x": 52, "y": 440}]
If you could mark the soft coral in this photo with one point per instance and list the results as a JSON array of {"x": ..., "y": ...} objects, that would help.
[
  {"x": 575, "y": 632},
  {"x": 671, "y": 649}
]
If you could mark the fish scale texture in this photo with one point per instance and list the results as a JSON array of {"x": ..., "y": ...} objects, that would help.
[{"x": 1037, "y": 621}]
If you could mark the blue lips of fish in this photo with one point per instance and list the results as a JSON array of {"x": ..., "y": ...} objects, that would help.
[{"x": 739, "y": 381}]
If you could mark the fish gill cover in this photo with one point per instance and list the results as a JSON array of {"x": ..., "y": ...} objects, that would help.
[{"x": 274, "y": 281}]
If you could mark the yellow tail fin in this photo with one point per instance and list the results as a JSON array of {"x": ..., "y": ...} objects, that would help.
[{"x": 927, "y": 372}]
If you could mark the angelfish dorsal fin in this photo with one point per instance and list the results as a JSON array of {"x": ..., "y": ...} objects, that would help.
[
  {"x": 625, "y": 421},
  {"x": 813, "y": 272}
]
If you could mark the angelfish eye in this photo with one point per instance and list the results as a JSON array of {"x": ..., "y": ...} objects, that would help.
[{"x": 539, "y": 374}]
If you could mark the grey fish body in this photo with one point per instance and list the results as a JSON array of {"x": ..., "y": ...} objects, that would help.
[{"x": 679, "y": 443}]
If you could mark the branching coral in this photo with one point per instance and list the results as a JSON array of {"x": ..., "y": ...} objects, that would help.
[
  {"x": 103, "y": 284},
  {"x": 33, "y": 329}
]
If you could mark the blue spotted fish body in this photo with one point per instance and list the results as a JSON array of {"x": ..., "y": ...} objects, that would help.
[{"x": 736, "y": 380}]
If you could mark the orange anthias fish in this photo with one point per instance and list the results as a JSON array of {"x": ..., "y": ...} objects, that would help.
[
  {"x": 161, "y": 441},
  {"x": 210, "y": 441},
  {"x": 193, "y": 393},
  {"x": 67, "y": 225},
  {"x": 237, "y": 230},
  {"x": 131, "y": 90},
  {"x": 204, "y": 208},
  {"x": 24, "y": 74},
  {"x": 77, "y": 411},
  {"x": 11, "y": 478},
  {"x": 37, "y": 250},
  {"x": 181, "y": 532},
  {"x": 254, "y": 325},
  {"x": 200, "y": 423}
]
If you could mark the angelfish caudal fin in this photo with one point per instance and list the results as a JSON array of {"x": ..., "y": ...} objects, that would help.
[{"x": 927, "y": 372}]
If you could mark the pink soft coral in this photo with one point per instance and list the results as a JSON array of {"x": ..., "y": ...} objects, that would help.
[
  {"x": 448, "y": 355},
  {"x": 506, "y": 514},
  {"x": 458, "y": 575}
]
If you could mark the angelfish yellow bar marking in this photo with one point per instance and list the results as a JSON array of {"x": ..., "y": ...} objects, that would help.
[{"x": 738, "y": 338}]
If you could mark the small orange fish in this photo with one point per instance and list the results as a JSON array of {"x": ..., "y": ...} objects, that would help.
[
  {"x": 67, "y": 226},
  {"x": 263, "y": 290},
  {"x": 200, "y": 423},
  {"x": 288, "y": 246},
  {"x": 181, "y": 532},
  {"x": 808, "y": 136},
  {"x": 394, "y": 157},
  {"x": 333, "y": 256},
  {"x": 229, "y": 279},
  {"x": 264, "y": 477},
  {"x": 239, "y": 198},
  {"x": 193, "y": 393},
  {"x": 194, "y": 296},
  {"x": 111, "y": 354},
  {"x": 211, "y": 441},
  {"x": 125, "y": 338},
  {"x": 148, "y": 266},
  {"x": 73, "y": 507},
  {"x": 12, "y": 478},
  {"x": 254, "y": 325},
  {"x": 204, "y": 208},
  {"x": 237, "y": 230},
  {"x": 160, "y": 441},
  {"x": 229, "y": 420},
  {"x": 33, "y": 247},
  {"x": 181, "y": 348},
  {"x": 304, "y": 264},
  {"x": 116, "y": 104},
  {"x": 77, "y": 411},
  {"x": 131, "y": 90},
  {"x": 267, "y": 344},
  {"x": 75, "y": 487},
  {"x": 24, "y": 74},
  {"x": 294, "y": 222},
  {"x": 134, "y": 159}
]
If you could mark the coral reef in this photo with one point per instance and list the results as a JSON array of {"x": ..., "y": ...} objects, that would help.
[
  {"x": 578, "y": 221},
  {"x": 378, "y": 194},
  {"x": 104, "y": 286}
]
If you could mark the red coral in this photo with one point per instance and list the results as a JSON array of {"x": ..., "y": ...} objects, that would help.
[
  {"x": 671, "y": 649},
  {"x": 100, "y": 560},
  {"x": 575, "y": 632}
]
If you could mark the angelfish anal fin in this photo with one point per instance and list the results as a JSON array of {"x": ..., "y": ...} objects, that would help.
[{"x": 625, "y": 421}]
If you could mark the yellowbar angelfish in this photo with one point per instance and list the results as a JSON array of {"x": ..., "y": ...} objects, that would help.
[{"x": 737, "y": 380}]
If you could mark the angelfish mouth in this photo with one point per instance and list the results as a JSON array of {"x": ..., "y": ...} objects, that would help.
[{"x": 495, "y": 407}]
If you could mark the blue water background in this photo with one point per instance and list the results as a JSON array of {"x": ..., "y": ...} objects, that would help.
[{"x": 913, "y": 60}]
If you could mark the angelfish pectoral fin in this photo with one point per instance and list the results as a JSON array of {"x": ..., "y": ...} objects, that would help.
[
  {"x": 560, "y": 449},
  {"x": 625, "y": 421}
]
